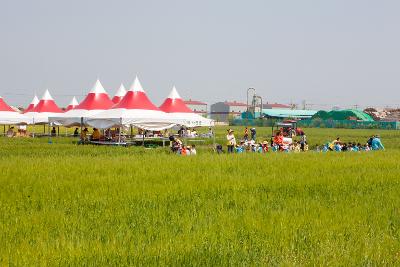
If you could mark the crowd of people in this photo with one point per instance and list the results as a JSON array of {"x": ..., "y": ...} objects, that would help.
[
  {"x": 373, "y": 143},
  {"x": 281, "y": 141},
  {"x": 285, "y": 143},
  {"x": 278, "y": 143}
]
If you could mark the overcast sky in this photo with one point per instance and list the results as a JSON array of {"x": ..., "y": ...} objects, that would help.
[{"x": 337, "y": 52}]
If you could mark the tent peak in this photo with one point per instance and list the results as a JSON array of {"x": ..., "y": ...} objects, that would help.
[
  {"x": 136, "y": 86},
  {"x": 74, "y": 102},
  {"x": 174, "y": 94},
  {"x": 121, "y": 90},
  {"x": 35, "y": 100},
  {"x": 98, "y": 88},
  {"x": 47, "y": 95}
]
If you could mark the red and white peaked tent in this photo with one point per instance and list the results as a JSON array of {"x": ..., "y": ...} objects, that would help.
[
  {"x": 121, "y": 92},
  {"x": 72, "y": 104},
  {"x": 97, "y": 100},
  {"x": 8, "y": 115},
  {"x": 32, "y": 105},
  {"x": 46, "y": 108},
  {"x": 134, "y": 109},
  {"x": 177, "y": 109}
]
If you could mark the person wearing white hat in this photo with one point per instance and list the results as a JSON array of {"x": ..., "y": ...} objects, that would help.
[{"x": 231, "y": 141}]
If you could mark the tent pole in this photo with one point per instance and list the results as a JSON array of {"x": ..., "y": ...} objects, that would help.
[
  {"x": 213, "y": 128},
  {"x": 33, "y": 121},
  {"x": 44, "y": 128},
  {"x": 143, "y": 134},
  {"x": 119, "y": 135},
  {"x": 81, "y": 140},
  {"x": 58, "y": 130}
]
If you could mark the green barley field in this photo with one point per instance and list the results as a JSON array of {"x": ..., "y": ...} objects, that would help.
[{"x": 63, "y": 204}]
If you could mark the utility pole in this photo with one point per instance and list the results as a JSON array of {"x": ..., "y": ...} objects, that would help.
[{"x": 247, "y": 110}]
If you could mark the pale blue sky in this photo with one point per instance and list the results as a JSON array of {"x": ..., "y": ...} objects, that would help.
[{"x": 338, "y": 52}]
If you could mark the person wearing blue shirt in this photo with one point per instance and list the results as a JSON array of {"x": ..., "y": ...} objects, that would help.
[{"x": 376, "y": 143}]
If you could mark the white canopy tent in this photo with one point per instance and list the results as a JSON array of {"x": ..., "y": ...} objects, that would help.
[
  {"x": 134, "y": 109},
  {"x": 179, "y": 112},
  {"x": 43, "y": 110},
  {"x": 8, "y": 116},
  {"x": 11, "y": 118},
  {"x": 95, "y": 102}
]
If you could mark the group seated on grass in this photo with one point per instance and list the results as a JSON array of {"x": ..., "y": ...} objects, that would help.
[
  {"x": 285, "y": 144},
  {"x": 373, "y": 143},
  {"x": 179, "y": 148}
]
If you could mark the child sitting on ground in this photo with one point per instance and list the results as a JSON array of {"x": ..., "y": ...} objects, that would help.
[
  {"x": 265, "y": 146},
  {"x": 239, "y": 148},
  {"x": 297, "y": 147}
]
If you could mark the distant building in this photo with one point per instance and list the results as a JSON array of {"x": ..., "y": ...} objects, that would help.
[
  {"x": 275, "y": 106},
  {"x": 197, "y": 106},
  {"x": 223, "y": 111}
]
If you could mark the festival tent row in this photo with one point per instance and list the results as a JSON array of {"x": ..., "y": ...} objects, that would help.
[
  {"x": 127, "y": 108},
  {"x": 131, "y": 108}
]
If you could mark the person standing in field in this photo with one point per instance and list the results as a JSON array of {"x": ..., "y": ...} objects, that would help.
[
  {"x": 246, "y": 134},
  {"x": 253, "y": 134},
  {"x": 231, "y": 140},
  {"x": 303, "y": 141}
]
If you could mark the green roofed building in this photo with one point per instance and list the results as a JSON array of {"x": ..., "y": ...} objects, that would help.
[
  {"x": 339, "y": 115},
  {"x": 282, "y": 114}
]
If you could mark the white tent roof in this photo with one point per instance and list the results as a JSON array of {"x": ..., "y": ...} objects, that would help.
[
  {"x": 73, "y": 117},
  {"x": 179, "y": 112},
  {"x": 11, "y": 118},
  {"x": 147, "y": 119},
  {"x": 190, "y": 119}
]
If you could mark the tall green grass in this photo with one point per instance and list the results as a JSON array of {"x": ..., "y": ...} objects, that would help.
[{"x": 62, "y": 204}]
